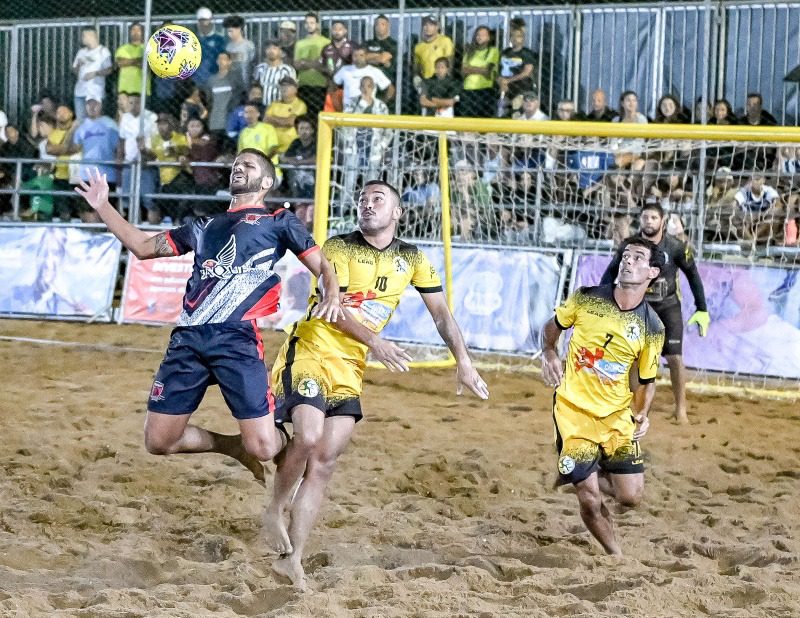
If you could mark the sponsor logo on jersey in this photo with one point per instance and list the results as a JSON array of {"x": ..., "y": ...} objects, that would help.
[
  {"x": 308, "y": 387},
  {"x": 566, "y": 465},
  {"x": 253, "y": 219},
  {"x": 400, "y": 265},
  {"x": 222, "y": 266},
  {"x": 157, "y": 392}
]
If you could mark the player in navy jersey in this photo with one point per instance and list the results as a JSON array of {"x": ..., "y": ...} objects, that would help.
[{"x": 216, "y": 340}]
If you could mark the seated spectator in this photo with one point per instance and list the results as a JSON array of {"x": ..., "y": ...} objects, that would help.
[
  {"x": 421, "y": 193},
  {"x": 516, "y": 228},
  {"x": 440, "y": 93},
  {"x": 669, "y": 111},
  {"x": 302, "y": 152},
  {"x": 699, "y": 111},
  {"x": 630, "y": 150},
  {"x": 755, "y": 114},
  {"x": 350, "y": 75},
  {"x": 46, "y": 105},
  {"x": 194, "y": 106},
  {"x": 600, "y": 111},
  {"x": 204, "y": 147},
  {"x": 281, "y": 114},
  {"x": 363, "y": 149},
  {"x": 241, "y": 51},
  {"x": 41, "y": 206},
  {"x": 723, "y": 113},
  {"x": 130, "y": 144},
  {"x": 270, "y": 73},
  {"x": 722, "y": 218},
  {"x": 565, "y": 110},
  {"x": 261, "y": 136},
  {"x": 236, "y": 121},
  {"x": 224, "y": 92},
  {"x": 530, "y": 109},
  {"x": 755, "y": 157},
  {"x": 57, "y": 142},
  {"x": 168, "y": 146},
  {"x": 14, "y": 147},
  {"x": 719, "y": 156},
  {"x": 382, "y": 48},
  {"x": 517, "y": 68},
  {"x": 479, "y": 69},
  {"x": 761, "y": 209},
  {"x": 474, "y": 217}
]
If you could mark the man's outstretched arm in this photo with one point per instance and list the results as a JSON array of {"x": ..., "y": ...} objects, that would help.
[
  {"x": 141, "y": 244},
  {"x": 468, "y": 376}
]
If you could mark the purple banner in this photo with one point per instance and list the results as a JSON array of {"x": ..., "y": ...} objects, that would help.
[{"x": 755, "y": 317}]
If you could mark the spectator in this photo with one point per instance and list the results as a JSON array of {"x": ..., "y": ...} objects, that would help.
[
  {"x": 430, "y": 49},
  {"x": 195, "y": 106},
  {"x": 350, "y": 75},
  {"x": 382, "y": 48},
  {"x": 479, "y": 69},
  {"x": 722, "y": 217},
  {"x": 755, "y": 114},
  {"x": 91, "y": 65},
  {"x": 204, "y": 147},
  {"x": 283, "y": 112},
  {"x": 630, "y": 150},
  {"x": 441, "y": 92},
  {"x": 287, "y": 37},
  {"x": 212, "y": 42},
  {"x": 530, "y": 109},
  {"x": 129, "y": 62},
  {"x": 56, "y": 132},
  {"x": 46, "y": 104},
  {"x": 41, "y": 206},
  {"x": 515, "y": 228},
  {"x": 14, "y": 147},
  {"x": 516, "y": 69},
  {"x": 270, "y": 73},
  {"x": 669, "y": 111},
  {"x": 701, "y": 108},
  {"x": 307, "y": 63},
  {"x": 302, "y": 152},
  {"x": 242, "y": 52},
  {"x": 131, "y": 141},
  {"x": 236, "y": 121},
  {"x": 723, "y": 113},
  {"x": 629, "y": 108},
  {"x": 761, "y": 209},
  {"x": 421, "y": 193},
  {"x": 168, "y": 146},
  {"x": 364, "y": 148},
  {"x": 257, "y": 134},
  {"x": 566, "y": 110},
  {"x": 720, "y": 156},
  {"x": 337, "y": 53},
  {"x": 472, "y": 205},
  {"x": 600, "y": 111},
  {"x": 224, "y": 91}
]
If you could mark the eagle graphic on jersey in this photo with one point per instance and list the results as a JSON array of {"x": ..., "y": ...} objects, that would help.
[{"x": 221, "y": 266}]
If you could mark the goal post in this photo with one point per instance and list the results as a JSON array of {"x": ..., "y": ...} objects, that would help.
[{"x": 538, "y": 206}]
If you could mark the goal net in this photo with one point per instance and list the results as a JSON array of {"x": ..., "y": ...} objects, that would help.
[{"x": 516, "y": 214}]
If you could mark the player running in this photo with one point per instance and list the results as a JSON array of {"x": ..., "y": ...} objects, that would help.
[
  {"x": 216, "y": 340},
  {"x": 319, "y": 370},
  {"x": 597, "y": 429},
  {"x": 664, "y": 296}
]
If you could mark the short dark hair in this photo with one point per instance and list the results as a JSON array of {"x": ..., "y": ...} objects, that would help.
[
  {"x": 755, "y": 95},
  {"x": 47, "y": 119},
  {"x": 305, "y": 118},
  {"x": 339, "y": 21},
  {"x": 653, "y": 206},
  {"x": 382, "y": 16},
  {"x": 383, "y": 183},
  {"x": 267, "y": 167},
  {"x": 656, "y": 256},
  {"x": 444, "y": 59},
  {"x": 517, "y": 23},
  {"x": 233, "y": 21},
  {"x": 312, "y": 14}
]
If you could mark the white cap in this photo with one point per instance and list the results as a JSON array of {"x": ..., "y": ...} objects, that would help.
[{"x": 204, "y": 13}]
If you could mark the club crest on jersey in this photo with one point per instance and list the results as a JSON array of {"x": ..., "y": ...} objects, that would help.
[
  {"x": 400, "y": 265},
  {"x": 222, "y": 266},
  {"x": 157, "y": 392},
  {"x": 632, "y": 332},
  {"x": 308, "y": 387},
  {"x": 252, "y": 218}
]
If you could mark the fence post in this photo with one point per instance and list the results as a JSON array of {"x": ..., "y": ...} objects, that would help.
[
  {"x": 13, "y": 74},
  {"x": 15, "y": 198},
  {"x": 398, "y": 95}
]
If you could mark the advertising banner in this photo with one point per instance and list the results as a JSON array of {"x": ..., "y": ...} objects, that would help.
[
  {"x": 502, "y": 297},
  {"x": 57, "y": 272},
  {"x": 755, "y": 317}
]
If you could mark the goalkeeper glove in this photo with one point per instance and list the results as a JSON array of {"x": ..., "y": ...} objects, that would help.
[{"x": 702, "y": 319}]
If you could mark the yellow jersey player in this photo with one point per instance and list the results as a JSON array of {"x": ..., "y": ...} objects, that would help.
[
  {"x": 318, "y": 373},
  {"x": 598, "y": 420}
]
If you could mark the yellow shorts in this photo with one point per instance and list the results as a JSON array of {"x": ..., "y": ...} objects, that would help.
[
  {"x": 304, "y": 373},
  {"x": 585, "y": 443}
]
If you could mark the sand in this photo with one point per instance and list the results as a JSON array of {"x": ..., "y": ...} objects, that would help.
[{"x": 442, "y": 506}]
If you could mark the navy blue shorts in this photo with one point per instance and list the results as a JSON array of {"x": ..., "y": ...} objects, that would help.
[{"x": 229, "y": 354}]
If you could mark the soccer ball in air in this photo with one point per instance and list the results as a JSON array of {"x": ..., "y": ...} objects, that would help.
[{"x": 173, "y": 52}]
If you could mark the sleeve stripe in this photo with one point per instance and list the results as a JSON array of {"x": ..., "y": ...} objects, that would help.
[
  {"x": 172, "y": 244},
  {"x": 646, "y": 380},
  {"x": 428, "y": 290},
  {"x": 308, "y": 251},
  {"x": 559, "y": 324}
]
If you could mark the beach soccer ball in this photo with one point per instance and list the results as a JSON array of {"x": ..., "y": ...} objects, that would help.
[{"x": 173, "y": 52}]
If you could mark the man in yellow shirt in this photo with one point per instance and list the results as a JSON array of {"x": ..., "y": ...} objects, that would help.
[
  {"x": 282, "y": 113},
  {"x": 261, "y": 136},
  {"x": 598, "y": 420},
  {"x": 59, "y": 140},
  {"x": 433, "y": 46},
  {"x": 168, "y": 146},
  {"x": 319, "y": 370},
  {"x": 129, "y": 62}
]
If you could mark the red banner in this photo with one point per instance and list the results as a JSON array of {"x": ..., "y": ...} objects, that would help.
[{"x": 154, "y": 289}]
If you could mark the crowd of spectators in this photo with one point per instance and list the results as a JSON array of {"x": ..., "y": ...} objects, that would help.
[{"x": 269, "y": 98}]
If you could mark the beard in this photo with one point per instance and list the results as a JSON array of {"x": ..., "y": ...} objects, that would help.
[{"x": 251, "y": 186}]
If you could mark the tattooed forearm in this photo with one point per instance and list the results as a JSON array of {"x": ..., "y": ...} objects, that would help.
[{"x": 162, "y": 247}]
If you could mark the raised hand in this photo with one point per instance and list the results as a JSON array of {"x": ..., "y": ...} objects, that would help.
[{"x": 95, "y": 190}]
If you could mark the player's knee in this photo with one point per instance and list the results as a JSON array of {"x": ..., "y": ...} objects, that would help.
[
  {"x": 308, "y": 439},
  {"x": 157, "y": 444},
  {"x": 321, "y": 466},
  {"x": 591, "y": 503},
  {"x": 261, "y": 447},
  {"x": 630, "y": 498}
]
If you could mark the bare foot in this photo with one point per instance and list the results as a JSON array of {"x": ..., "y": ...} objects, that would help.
[
  {"x": 681, "y": 418},
  {"x": 290, "y": 568},
  {"x": 232, "y": 447},
  {"x": 251, "y": 463},
  {"x": 275, "y": 531}
]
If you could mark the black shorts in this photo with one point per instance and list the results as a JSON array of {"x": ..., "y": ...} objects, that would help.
[
  {"x": 229, "y": 354},
  {"x": 673, "y": 328}
]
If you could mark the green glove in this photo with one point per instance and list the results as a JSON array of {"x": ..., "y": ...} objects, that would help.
[{"x": 702, "y": 319}]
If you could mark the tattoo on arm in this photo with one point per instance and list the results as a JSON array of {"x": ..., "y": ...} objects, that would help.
[{"x": 162, "y": 247}]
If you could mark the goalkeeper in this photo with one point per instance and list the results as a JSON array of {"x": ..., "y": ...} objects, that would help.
[{"x": 664, "y": 296}]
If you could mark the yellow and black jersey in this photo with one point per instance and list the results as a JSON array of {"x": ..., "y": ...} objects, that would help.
[
  {"x": 606, "y": 342},
  {"x": 373, "y": 281}
]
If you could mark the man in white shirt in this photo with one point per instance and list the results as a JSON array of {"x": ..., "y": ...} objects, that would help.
[
  {"x": 530, "y": 109},
  {"x": 130, "y": 144},
  {"x": 91, "y": 65},
  {"x": 761, "y": 210},
  {"x": 270, "y": 73},
  {"x": 350, "y": 75}
]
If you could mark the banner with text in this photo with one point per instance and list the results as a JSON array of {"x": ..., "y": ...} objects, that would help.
[
  {"x": 57, "y": 272},
  {"x": 755, "y": 317},
  {"x": 502, "y": 297}
]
